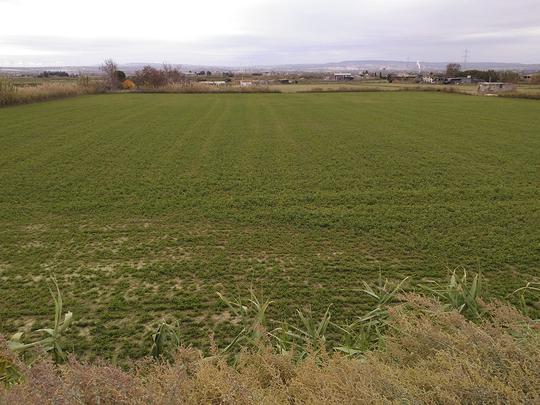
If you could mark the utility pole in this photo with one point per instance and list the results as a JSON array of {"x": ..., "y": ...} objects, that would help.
[{"x": 465, "y": 59}]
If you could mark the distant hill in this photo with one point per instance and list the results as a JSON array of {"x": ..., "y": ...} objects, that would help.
[
  {"x": 393, "y": 65},
  {"x": 351, "y": 65}
]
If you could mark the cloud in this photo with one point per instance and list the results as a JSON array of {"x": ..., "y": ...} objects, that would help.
[{"x": 270, "y": 32}]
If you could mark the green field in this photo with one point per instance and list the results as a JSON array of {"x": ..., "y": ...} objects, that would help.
[{"x": 144, "y": 206}]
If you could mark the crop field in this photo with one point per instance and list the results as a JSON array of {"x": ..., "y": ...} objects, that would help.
[
  {"x": 146, "y": 205},
  {"x": 383, "y": 85}
]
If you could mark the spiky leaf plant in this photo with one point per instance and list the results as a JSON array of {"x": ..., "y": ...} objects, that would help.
[
  {"x": 53, "y": 340},
  {"x": 165, "y": 340},
  {"x": 531, "y": 288},
  {"x": 252, "y": 316},
  {"x": 460, "y": 293},
  {"x": 367, "y": 330},
  {"x": 308, "y": 338}
]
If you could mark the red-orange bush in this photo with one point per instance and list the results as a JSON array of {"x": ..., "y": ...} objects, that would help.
[{"x": 128, "y": 85}]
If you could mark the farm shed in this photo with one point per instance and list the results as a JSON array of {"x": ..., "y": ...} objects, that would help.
[
  {"x": 496, "y": 88},
  {"x": 458, "y": 80},
  {"x": 343, "y": 76},
  {"x": 213, "y": 83}
]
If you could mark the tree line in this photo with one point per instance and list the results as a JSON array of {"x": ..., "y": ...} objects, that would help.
[
  {"x": 507, "y": 76},
  {"x": 148, "y": 76}
]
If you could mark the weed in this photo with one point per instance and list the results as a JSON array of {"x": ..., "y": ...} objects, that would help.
[
  {"x": 165, "y": 340},
  {"x": 460, "y": 293},
  {"x": 53, "y": 341}
]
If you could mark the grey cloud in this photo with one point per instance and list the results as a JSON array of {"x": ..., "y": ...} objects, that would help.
[{"x": 321, "y": 31}]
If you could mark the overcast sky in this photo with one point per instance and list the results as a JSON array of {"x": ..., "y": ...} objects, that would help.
[{"x": 250, "y": 32}]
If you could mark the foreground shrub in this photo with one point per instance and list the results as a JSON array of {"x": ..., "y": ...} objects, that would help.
[
  {"x": 431, "y": 355},
  {"x": 449, "y": 347}
]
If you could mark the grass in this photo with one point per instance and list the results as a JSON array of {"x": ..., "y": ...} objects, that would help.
[
  {"x": 523, "y": 90},
  {"x": 195, "y": 87},
  {"x": 148, "y": 204}
]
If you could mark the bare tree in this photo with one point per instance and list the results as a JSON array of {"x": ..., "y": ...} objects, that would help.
[
  {"x": 109, "y": 67},
  {"x": 172, "y": 74},
  {"x": 150, "y": 77}
]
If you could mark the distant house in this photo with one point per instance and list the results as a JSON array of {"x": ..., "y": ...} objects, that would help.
[
  {"x": 401, "y": 77},
  {"x": 213, "y": 83},
  {"x": 496, "y": 88},
  {"x": 343, "y": 76}
]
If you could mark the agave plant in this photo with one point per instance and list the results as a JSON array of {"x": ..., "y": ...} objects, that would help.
[
  {"x": 52, "y": 342},
  {"x": 530, "y": 287},
  {"x": 461, "y": 294},
  {"x": 165, "y": 340},
  {"x": 384, "y": 291},
  {"x": 362, "y": 334},
  {"x": 252, "y": 316},
  {"x": 309, "y": 337},
  {"x": 367, "y": 331}
]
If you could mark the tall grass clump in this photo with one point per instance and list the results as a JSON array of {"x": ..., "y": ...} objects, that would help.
[
  {"x": 8, "y": 92},
  {"x": 11, "y": 94}
]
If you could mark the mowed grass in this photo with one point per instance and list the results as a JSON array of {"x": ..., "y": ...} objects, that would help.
[{"x": 144, "y": 206}]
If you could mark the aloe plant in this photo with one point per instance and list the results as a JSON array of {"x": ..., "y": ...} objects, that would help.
[{"x": 52, "y": 342}]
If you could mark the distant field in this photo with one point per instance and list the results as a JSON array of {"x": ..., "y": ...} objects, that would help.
[
  {"x": 381, "y": 85},
  {"x": 145, "y": 205},
  {"x": 36, "y": 81}
]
